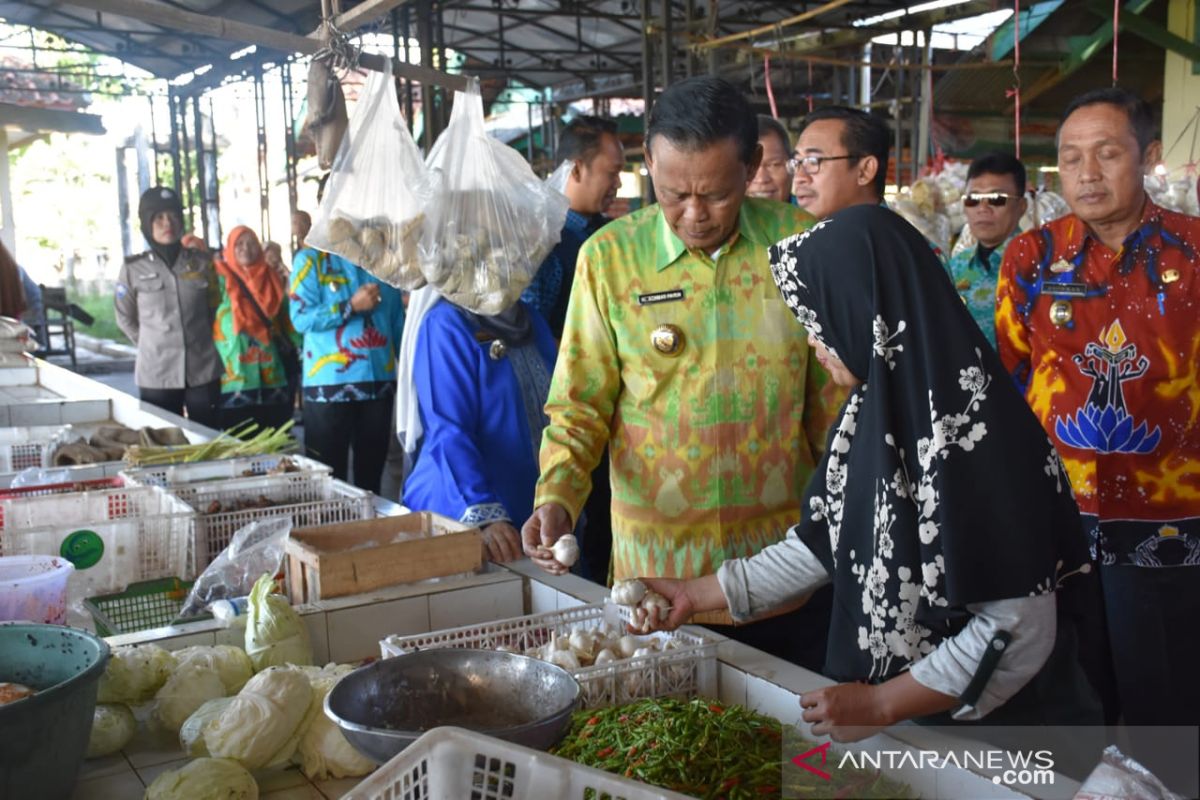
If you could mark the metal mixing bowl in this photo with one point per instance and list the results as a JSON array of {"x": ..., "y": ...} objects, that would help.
[{"x": 383, "y": 707}]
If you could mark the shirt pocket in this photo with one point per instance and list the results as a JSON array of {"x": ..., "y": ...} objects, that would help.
[{"x": 148, "y": 285}]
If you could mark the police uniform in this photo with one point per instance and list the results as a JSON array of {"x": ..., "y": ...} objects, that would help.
[{"x": 167, "y": 311}]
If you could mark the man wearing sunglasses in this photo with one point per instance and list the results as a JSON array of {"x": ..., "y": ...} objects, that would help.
[
  {"x": 1096, "y": 318},
  {"x": 994, "y": 203}
]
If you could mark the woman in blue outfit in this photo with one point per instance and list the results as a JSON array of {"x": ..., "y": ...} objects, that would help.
[{"x": 470, "y": 414}]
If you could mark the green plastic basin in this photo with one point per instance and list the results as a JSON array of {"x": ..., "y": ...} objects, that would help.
[{"x": 43, "y": 737}]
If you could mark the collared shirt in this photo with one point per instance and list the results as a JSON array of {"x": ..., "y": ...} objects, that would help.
[
  {"x": 974, "y": 272},
  {"x": 710, "y": 448},
  {"x": 1116, "y": 386},
  {"x": 167, "y": 310},
  {"x": 348, "y": 356},
  {"x": 551, "y": 287}
]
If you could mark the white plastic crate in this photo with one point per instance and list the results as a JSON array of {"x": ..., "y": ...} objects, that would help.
[
  {"x": 114, "y": 537},
  {"x": 169, "y": 476},
  {"x": 72, "y": 474},
  {"x": 32, "y": 446},
  {"x": 689, "y": 669},
  {"x": 310, "y": 499},
  {"x": 455, "y": 764}
]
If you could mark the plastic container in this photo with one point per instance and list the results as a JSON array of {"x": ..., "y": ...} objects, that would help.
[
  {"x": 43, "y": 738},
  {"x": 688, "y": 669},
  {"x": 31, "y": 446},
  {"x": 223, "y": 507},
  {"x": 142, "y": 606},
  {"x": 34, "y": 588},
  {"x": 114, "y": 537},
  {"x": 231, "y": 613},
  {"x": 457, "y": 763},
  {"x": 170, "y": 476}
]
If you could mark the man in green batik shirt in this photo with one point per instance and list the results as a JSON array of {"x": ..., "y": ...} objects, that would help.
[
  {"x": 994, "y": 204},
  {"x": 679, "y": 354}
]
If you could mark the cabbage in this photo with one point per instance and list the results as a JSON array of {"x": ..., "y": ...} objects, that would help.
[
  {"x": 188, "y": 688},
  {"x": 205, "y": 779},
  {"x": 231, "y": 663},
  {"x": 261, "y": 727},
  {"x": 134, "y": 674},
  {"x": 113, "y": 726},
  {"x": 324, "y": 751},
  {"x": 191, "y": 733},
  {"x": 275, "y": 634}
]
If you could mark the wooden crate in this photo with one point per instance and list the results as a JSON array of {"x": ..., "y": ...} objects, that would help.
[{"x": 356, "y": 557}]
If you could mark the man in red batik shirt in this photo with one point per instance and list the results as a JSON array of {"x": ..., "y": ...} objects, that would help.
[{"x": 1098, "y": 319}]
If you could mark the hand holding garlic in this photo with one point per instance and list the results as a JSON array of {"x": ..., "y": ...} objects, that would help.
[{"x": 566, "y": 550}]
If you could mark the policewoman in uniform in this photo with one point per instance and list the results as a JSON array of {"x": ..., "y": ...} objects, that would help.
[{"x": 165, "y": 301}]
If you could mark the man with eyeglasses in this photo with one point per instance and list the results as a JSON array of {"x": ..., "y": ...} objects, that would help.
[
  {"x": 841, "y": 160},
  {"x": 1096, "y": 319},
  {"x": 994, "y": 203}
]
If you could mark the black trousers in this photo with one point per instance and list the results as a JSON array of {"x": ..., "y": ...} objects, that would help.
[
  {"x": 201, "y": 402},
  {"x": 799, "y": 636},
  {"x": 332, "y": 431},
  {"x": 1153, "y": 616}
]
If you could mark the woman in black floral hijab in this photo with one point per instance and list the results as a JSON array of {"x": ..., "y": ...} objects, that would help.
[{"x": 941, "y": 513}]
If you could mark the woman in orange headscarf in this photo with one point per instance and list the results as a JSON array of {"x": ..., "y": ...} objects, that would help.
[{"x": 254, "y": 335}]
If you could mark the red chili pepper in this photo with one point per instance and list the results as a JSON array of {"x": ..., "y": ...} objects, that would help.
[
  {"x": 623, "y": 718},
  {"x": 716, "y": 709},
  {"x": 632, "y": 752},
  {"x": 594, "y": 721},
  {"x": 729, "y": 783},
  {"x": 768, "y": 790},
  {"x": 605, "y": 753}
]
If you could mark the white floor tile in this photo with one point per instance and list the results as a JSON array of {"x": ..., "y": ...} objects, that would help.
[
  {"x": 124, "y": 786},
  {"x": 732, "y": 683},
  {"x": 152, "y": 745},
  {"x": 99, "y": 767},
  {"x": 278, "y": 780},
  {"x": 542, "y": 598},
  {"x": 478, "y": 604},
  {"x": 149, "y": 773},
  {"x": 334, "y": 789},
  {"x": 354, "y": 633},
  {"x": 305, "y": 792}
]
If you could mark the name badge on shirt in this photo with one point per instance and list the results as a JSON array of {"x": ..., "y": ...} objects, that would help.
[
  {"x": 191, "y": 275},
  {"x": 669, "y": 296},
  {"x": 1066, "y": 289}
]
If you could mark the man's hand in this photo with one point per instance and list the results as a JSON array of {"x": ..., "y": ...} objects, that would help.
[
  {"x": 366, "y": 298},
  {"x": 846, "y": 712},
  {"x": 541, "y": 531},
  {"x": 502, "y": 542}
]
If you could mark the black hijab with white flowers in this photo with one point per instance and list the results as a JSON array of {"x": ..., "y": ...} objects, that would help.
[{"x": 939, "y": 487}]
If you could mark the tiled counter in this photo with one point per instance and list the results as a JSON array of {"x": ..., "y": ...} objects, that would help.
[{"x": 349, "y": 629}]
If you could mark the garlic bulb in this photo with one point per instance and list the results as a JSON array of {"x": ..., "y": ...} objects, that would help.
[
  {"x": 642, "y": 652},
  {"x": 656, "y": 607},
  {"x": 582, "y": 642},
  {"x": 628, "y": 593},
  {"x": 605, "y": 656},
  {"x": 626, "y": 645},
  {"x": 560, "y": 643},
  {"x": 566, "y": 550},
  {"x": 565, "y": 659}
]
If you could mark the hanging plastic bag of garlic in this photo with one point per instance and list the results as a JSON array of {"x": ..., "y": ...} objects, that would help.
[
  {"x": 494, "y": 223},
  {"x": 372, "y": 212}
]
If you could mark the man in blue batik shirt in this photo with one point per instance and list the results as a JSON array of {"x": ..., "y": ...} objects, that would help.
[
  {"x": 993, "y": 204},
  {"x": 592, "y": 144}
]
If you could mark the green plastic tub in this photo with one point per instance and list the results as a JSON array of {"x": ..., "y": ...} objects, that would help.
[{"x": 43, "y": 737}]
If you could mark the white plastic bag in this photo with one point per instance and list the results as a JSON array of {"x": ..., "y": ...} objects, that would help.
[
  {"x": 371, "y": 213},
  {"x": 494, "y": 221},
  {"x": 255, "y": 548}
]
